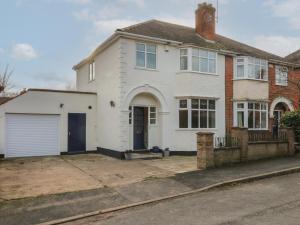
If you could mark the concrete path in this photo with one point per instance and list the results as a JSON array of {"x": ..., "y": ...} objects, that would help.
[
  {"x": 274, "y": 201},
  {"x": 51, "y": 207}
]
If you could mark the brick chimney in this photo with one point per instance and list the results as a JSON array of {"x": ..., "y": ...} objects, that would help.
[{"x": 206, "y": 21}]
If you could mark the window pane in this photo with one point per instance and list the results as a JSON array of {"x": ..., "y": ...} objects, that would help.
[
  {"x": 195, "y": 63},
  {"x": 250, "y": 119},
  {"x": 251, "y": 71},
  {"x": 251, "y": 60},
  {"x": 212, "y": 119},
  {"x": 183, "y": 51},
  {"x": 183, "y": 104},
  {"x": 183, "y": 62},
  {"x": 152, "y": 121},
  {"x": 212, "y": 66},
  {"x": 140, "y": 47},
  {"x": 212, "y": 55},
  {"x": 257, "y": 106},
  {"x": 240, "y": 105},
  {"x": 183, "y": 119},
  {"x": 195, "y": 52},
  {"x": 263, "y": 120},
  {"x": 203, "y": 104},
  {"x": 257, "y": 72},
  {"x": 151, "y": 49},
  {"x": 203, "y": 65},
  {"x": 240, "y": 119},
  {"x": 212, "y": 104},
  {"x": 152, "y": 109},
  {"x": 203, "y": 119},
  {"x": 264, "y": 73},
  {"x": 250, "y": 105},
  {"x": 264, "y": 106},
  {"x": 151, "y": 61},
  {"x": 140, "y": 59},
  {"x": 203, "y": 53},
  {"x": 195, "y": 103},
  {"x": 257, "y": 119},
  {"x": 195, "y": 119},
  {"x": 240, "y": 71}
]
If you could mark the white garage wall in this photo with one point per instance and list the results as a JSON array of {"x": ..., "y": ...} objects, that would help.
[{"x": 41, "y": 102}]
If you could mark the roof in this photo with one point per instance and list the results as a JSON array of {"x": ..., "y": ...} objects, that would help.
[
  {"x": 294, "y": 57},
  {"x": 4, "y": 99},
  {"x": 185, "y": 35}
]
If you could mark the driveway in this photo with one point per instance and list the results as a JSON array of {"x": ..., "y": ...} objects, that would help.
[{"x": 31, "y": 177}]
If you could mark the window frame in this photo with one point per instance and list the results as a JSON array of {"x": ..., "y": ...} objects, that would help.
[
  {"x": 248, "y": 62},
  {"x": 187, "y": 59},
  {"x": 92, "y": 71},
  {"x": 279, "y": 81},
  {"x": 146, "y": 52},
  {"x": 246, "y": 111},
  {"x": 189, "y": 110},
  {"x": 208, "y": 58}
]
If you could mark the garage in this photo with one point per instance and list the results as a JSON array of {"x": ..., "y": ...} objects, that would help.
[{"x": 31, "y": 135}]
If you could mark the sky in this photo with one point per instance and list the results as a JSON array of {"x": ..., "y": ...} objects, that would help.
[{"x": 42, "y": 39}]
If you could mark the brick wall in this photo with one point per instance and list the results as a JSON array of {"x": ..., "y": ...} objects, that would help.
[{"x": 228, "y": 92}]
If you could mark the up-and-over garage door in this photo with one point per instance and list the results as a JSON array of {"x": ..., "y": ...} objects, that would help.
[{"x": 31, "y": 135}]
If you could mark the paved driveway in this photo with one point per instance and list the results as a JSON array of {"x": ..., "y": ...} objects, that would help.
[{"x": 30, "y": 177}]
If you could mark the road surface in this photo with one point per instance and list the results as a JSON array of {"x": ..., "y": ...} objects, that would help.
[{"x": 274, "y": 201}]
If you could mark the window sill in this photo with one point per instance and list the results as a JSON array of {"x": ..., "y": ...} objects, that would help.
[
  {"x": 282, "y": 85},
  {"x": 197, "y": 129},
  {"x": 250, "y": 79},
  {"x": 144, "y": 68},
  {"x": 200, "y": 73}
]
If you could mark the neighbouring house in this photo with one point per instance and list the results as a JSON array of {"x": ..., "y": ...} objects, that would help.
[{"x": 153, "y": 84}]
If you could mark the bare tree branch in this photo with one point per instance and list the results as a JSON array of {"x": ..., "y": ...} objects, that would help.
[{"x": 5, "y": 79}]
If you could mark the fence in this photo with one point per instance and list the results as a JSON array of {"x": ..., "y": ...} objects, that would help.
[
  {"x": 261, "y": 136},
  {"x": 226, "y": 142}
]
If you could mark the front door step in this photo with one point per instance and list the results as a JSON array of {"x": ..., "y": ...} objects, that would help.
[{"x": 144, "y": 155}]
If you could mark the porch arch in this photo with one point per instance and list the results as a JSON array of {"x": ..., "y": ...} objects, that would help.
[
  {"x": 145, "y": 89},
  {"x": 283, "y": 100}
]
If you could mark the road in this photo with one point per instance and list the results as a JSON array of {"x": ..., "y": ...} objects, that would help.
[{"x": 274, "y": 201}]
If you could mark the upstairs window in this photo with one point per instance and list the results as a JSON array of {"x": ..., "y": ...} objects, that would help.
[
  {"x": 204, "y": 61},
  {"x": 183, "y": 59},
  {"x": 146, "y": 56},
  {"x": 281, "y": 73},
  {"x": 251, "y": 68},
  {"x": 92, "y": 71}
]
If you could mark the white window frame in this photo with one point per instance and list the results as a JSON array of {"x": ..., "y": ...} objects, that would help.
[
  {"x": 215, "y": 58},
  {"x": 189, "y": 110},
  {"x": 281, "y": 75},
  {"x": 150, "y": 115},
  {"x": 145, "y": 55},
  {"x": 247, "y": 62},
  {"x": 92, "y": 72},
  {"x": 182, "y": 56},
  {"x": 246, "y": 114}
]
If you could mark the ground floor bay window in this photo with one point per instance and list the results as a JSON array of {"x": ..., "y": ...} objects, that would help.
[
  {"x": 197, "y": 113},
  {"x": 253, "y": 115}
]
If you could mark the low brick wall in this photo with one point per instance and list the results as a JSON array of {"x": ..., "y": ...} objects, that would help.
[
  {"x": 208, "y": 156},
  {"x": 225, "y": 156},
  {"x": 263, "y": 150}
]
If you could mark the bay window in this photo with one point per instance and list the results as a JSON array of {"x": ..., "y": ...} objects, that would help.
[
  {"x": 281, "y": 74},
  {"x": 253, "y": 115},
  {"x": 251, "y": 68},
  {"x": 197, "y": 113},
  {"x": 204, "y": 61},
  {"x": 146, "y": 56}
]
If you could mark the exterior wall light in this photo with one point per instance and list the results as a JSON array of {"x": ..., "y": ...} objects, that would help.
[
  {"x": 112, "y": 103},
  {"x": 61, "y": 105}
]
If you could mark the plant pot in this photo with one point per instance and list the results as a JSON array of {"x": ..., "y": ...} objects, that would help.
[{"x": 128, "y": 155}]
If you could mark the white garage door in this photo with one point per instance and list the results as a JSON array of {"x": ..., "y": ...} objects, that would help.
[{"x": 31, "y": 135}]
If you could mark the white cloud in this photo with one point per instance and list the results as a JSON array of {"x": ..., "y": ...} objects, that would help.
[
  {"x": 287, "y": 9},
  {"x": 279, "y": 45},
  {"x": 108, "y": 26},
  {"x": 139, "y": 3},
  {"x": 23, "y": 51}
]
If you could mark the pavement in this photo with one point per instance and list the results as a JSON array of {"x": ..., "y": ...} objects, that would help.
[
  {"x": 37, "y": 176},
  {"x": 52, "y": 207},
  {"x": 274, "y": 201}
]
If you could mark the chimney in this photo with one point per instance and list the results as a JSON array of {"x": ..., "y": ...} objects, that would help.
[{"x": 206, "y": 21}]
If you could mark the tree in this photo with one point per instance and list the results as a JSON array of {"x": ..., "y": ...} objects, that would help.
[{"x": 5, "y": 79}]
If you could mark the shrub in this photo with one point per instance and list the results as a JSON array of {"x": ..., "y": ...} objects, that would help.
[{"x": 292, "y": 119}]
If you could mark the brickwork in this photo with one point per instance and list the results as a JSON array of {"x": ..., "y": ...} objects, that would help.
[
  {"x": 205, "y": 21},
  {"x": 228, "y": 92}
]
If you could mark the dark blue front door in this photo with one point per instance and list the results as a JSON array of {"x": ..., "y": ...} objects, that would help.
[
  {"x": 139, "y": 128},
  {"x": 77, "y": 132}
]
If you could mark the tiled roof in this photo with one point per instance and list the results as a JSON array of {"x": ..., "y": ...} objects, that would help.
[
  {"x": 187, "y": 35},
  {"x": 294, "y": 57}
]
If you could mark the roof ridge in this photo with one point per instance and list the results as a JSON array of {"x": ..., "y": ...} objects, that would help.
[{"x": 136, "y": 24}]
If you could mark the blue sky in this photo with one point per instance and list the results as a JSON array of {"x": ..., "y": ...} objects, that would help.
[{"x": 42, "y": 39}]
